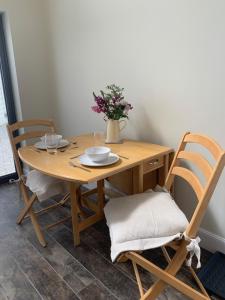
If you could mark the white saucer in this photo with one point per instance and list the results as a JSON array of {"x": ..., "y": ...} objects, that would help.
[
  {"x": 42, "y": 146},
  {"x": 86, "y": 161}
]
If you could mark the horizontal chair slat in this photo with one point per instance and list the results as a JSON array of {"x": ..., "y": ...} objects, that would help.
[
  {"x": 29, "y": 135},
  {"x": 206, "y": 142},
  {"x": 30, "y": 123},
  {"x": 198, "y": 160},
  {"x": 191, "y": 178}
]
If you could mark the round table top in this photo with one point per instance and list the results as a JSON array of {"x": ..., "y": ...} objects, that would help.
[{"x": 57, "y": 165}]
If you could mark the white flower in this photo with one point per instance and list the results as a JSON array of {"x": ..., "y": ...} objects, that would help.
[{"x": 123, "y": 102}]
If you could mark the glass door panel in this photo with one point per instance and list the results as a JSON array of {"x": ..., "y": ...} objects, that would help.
[
  {"x": 7, "y": 109},
  {"x": 6, "y": 157}
]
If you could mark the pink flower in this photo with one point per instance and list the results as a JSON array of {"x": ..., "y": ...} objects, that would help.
[
  {"x": 96, "y": 109},
  {"x": 127, "y": 108}
]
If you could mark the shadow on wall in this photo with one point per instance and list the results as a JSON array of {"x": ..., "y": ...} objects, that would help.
[{"x": 186, "y": 199}]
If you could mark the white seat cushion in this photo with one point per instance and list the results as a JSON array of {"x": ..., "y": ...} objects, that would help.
[
  {"x": 143, "y": 221},
  {"x": 44, "y": 186}
]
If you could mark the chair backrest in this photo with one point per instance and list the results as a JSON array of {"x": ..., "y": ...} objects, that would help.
[
  {"x": 16, "y": 137},
  {"x": 210, "y": 172}
]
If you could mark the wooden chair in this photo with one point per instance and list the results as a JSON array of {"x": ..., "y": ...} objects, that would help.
[
  {"x": 16, "y": 139},
  {"x": 203, "y": 193}
]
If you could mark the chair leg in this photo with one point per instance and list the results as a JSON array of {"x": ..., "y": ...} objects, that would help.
[
  {"x": 33, "y": 217},
  {"x": 166, "y": 254},
  {"x": 197, "y": 280},
  {"x": 171, "y": 269},
  {"x": 26, "y": 209},
  {"x": 137, "y": 275},
  {"x": 166, "y": 278},
  {"x": 37, "y": 229},
  {"x": 65, "y": 199}
]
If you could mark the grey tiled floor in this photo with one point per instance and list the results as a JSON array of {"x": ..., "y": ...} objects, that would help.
[
  {"x": 6, "y": 157},
  {"x": 60, "y": 271}
]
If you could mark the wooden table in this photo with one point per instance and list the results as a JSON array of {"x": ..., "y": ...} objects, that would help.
[{"x": 144, "y": 160}]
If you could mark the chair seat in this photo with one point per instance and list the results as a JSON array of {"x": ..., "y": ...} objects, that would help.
[
  {"x": 143, "y": 221},
  {"x": 44, "y": 186}
]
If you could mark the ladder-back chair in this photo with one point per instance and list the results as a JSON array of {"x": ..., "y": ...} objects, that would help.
[
  {"x": 203, "y": 193},
  {"x": 16, "y": 137}
]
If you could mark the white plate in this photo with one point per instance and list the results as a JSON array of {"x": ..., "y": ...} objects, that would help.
[
  {"x": 86, "y": 161},
  {"x": 42, "y": 146}
]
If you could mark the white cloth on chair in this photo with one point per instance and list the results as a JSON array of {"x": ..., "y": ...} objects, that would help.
[
  {"x": 194, "y": 249},
  {"x": 143, "y": 221},
  {"x": 44, "y": 186}
]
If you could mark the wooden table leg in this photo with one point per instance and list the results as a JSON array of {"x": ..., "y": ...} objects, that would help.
[
  {"x": 162, "y": 172},
  {"x": 101, "y": 196},
  {"x": 138, "y": 185},
  {"x": 75, "y": 212}
]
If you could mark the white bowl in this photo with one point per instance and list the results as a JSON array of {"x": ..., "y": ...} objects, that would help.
[
  {"x": 98, "y": 153},
  {"x": 51, "y": 140}
]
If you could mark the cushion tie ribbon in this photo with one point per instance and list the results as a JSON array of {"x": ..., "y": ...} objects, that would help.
[
  {"x": 194, "y": 249},
  {"x": 20, "y": 179}
]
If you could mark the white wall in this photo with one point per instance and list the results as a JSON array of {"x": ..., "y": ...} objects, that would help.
[
  {"x": 168, "y": 55},
  {"x": 27, "y": 33}
]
